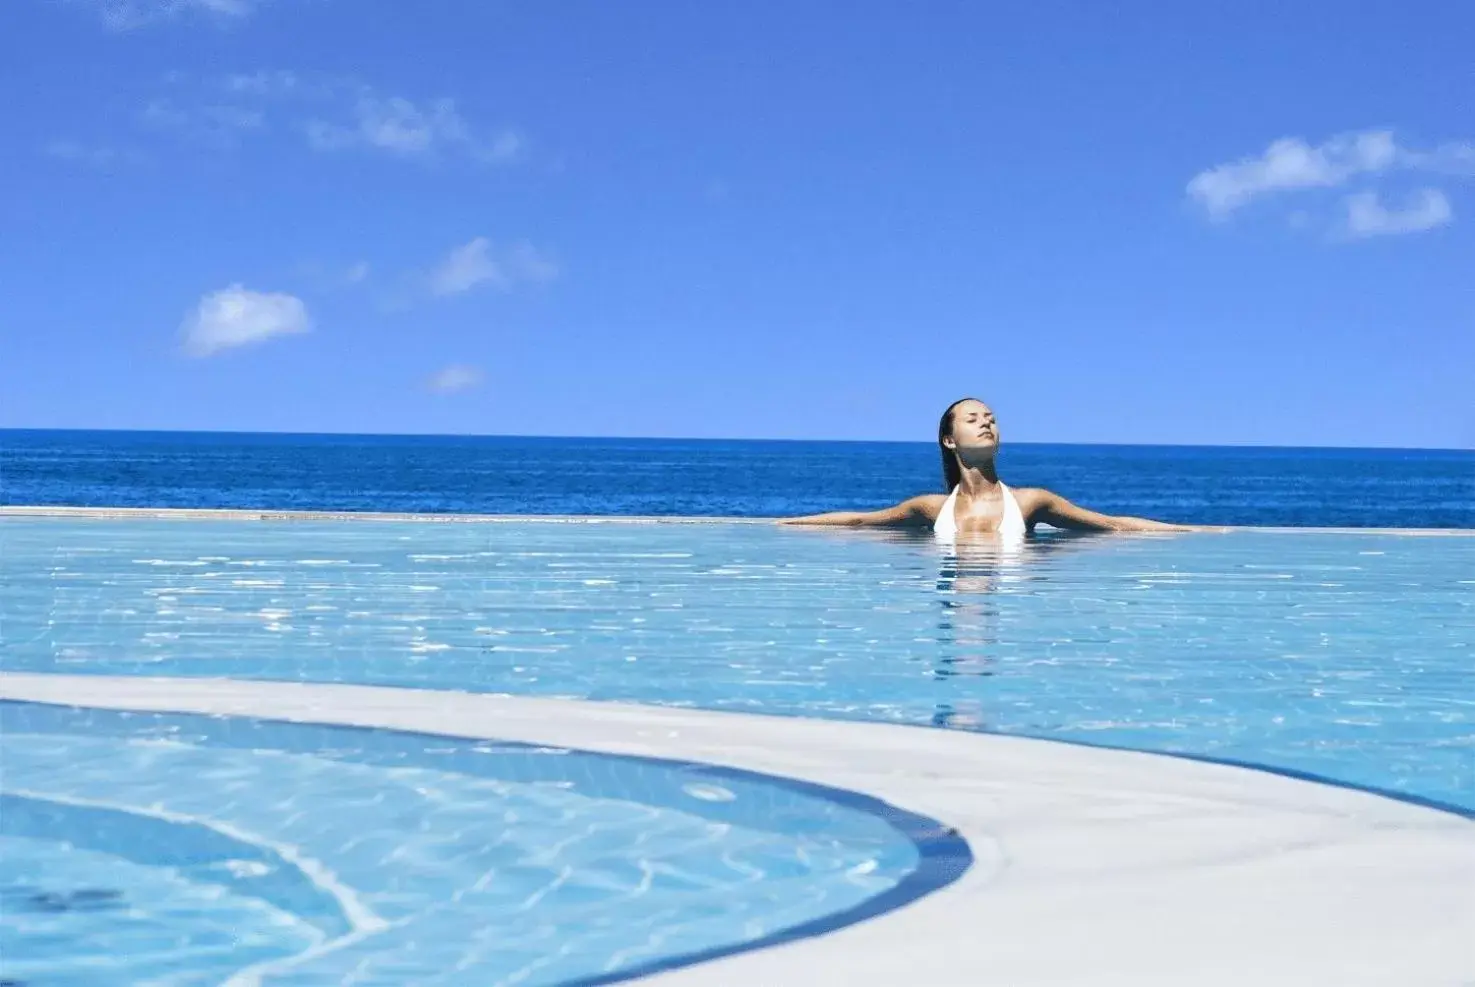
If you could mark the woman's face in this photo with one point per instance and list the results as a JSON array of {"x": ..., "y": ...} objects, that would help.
[{"x": 974, "y": 427}]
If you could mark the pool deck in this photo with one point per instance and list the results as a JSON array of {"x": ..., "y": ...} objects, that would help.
[
  {"x": 234, "y": 514},
  {"x": 1092, "y": 866}
]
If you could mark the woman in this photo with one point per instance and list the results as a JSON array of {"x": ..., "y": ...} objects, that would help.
[{"x": 978, "y": 502}]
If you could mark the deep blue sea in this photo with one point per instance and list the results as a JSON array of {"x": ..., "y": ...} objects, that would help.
[{"x": 1231, "y": 485}]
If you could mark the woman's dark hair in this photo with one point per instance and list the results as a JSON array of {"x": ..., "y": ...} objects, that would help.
[{"x": 952, "y": 473}]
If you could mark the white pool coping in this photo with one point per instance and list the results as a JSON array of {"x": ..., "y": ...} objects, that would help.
[{"x": 1092, "y": 866}]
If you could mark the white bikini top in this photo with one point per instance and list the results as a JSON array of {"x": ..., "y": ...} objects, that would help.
[{"x": 1011, "y": 525}]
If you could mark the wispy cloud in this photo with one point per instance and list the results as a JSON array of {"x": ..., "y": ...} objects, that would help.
[
  {"x": 1292, "y": 163},
  {"x": 357, "y": 273},
  {"x": 477, "y": 263},
  {"x": 454, "y": 378},
  {"x": 129, "y": 15},
  {"x": 329, "y": 113},
  {"x": 97, "y": 156},
  {"x": 1365, "y": 159},
  {"x": 1367, "y": 216},
  {"x": 402, "y": 127},
  {"x": 236, "y": 316},
  {"x": 466, "y": 267}
]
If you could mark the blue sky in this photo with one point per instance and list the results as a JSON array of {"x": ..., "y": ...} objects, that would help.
[{"x": 1136, "y": 222}]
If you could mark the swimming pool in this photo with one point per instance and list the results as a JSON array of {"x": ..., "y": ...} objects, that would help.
[
  {"x": 144, "y": 847},
  {"x": 1345, "y": 655}
]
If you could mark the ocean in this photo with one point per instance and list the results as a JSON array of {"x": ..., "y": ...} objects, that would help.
[{"x": 506, "y": 475}]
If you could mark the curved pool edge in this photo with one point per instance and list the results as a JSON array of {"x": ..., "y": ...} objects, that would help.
[
  {"x": 939, "y": 854},
  {"x": 1093, "y": 866}
]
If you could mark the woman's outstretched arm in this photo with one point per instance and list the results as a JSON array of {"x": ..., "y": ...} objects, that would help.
[
  {"x": 1058, "y": 512},
  {"x": 915, "y": 513}
]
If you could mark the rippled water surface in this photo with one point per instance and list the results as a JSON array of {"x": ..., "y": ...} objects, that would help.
[
  {"x": 1348, "y": 655},
  {"x": 152, "y": 848}
]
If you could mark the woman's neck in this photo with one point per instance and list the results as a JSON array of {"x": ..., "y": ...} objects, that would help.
[{"x": 981, "y": 480}]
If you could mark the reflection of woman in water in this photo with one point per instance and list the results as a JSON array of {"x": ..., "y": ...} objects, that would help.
[
  {"x": 983, "y": 587},
  {"x": 968, "y": 629},
  {"x": 977, "y": 501}
]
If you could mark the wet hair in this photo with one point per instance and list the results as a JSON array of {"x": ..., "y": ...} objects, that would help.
[{"x": 952, "y": 472}]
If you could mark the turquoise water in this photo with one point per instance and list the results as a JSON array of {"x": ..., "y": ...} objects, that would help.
[
  {"x": 1345, "y": 655},
  {"x": 148, "y": 848}
]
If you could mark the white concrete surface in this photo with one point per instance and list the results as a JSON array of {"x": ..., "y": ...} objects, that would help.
[{"x": 1093, "y": 867}]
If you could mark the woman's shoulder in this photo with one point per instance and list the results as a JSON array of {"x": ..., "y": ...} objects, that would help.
[{"x": 1031, "y": 499}]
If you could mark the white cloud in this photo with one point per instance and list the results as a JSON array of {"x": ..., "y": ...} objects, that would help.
[
  {"x": 357, "y": 272},
  {"x": 1359, "y": 160},
  {"x": 506, "y": 146},
  {"x": 465, "y": 268},
  {"x": 454, "y": 378},
  {"x": 400, "y": 126},
  {"x": 331, "y": 112},
  {"x": 1292, "y": 163},
  {"x": 127, "y": 15},
  {"x": 236, "y": 316},
  {"x": 1367, "y": 216},
  {"x": 475, "y": 263}
]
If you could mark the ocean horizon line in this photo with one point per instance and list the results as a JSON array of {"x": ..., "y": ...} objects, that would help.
[{"x": 459, "y": 436}]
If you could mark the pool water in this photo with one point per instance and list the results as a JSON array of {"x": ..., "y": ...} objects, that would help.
[
  {"x": 183, "y": 849},
  {"x": 72, "y": 912},
  {"x": 1346, "y": 655},
  {"x": 312, "y": 854},
  {"x": 1349, "y": 655}
]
